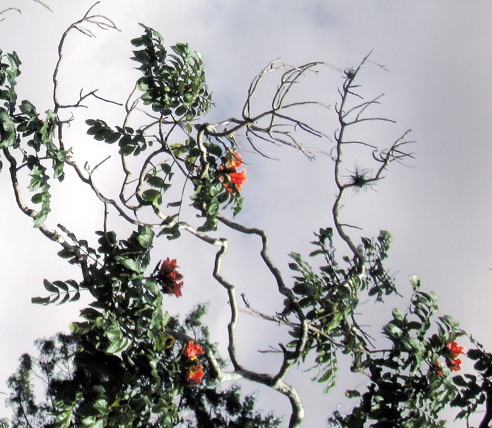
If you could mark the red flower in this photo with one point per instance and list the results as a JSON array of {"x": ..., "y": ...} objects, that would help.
[
  {"x": 192, "y": 349},
  {"x": 238, "y": 178},
  {"x": 173, "y": 288},
  {"x": 169, "y": 277},
  {"x": 437, "y": 368},
  {"x": 233, "y": 160},
  {"x": 454, "y": 349},
  {"x": 168, "y": 266},
  {"x": 454, "y": 364},
  {"x": 194, "y": 374},
  {"x": 174, "y": 276}
]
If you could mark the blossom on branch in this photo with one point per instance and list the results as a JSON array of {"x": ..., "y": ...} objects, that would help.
[
  {"x": 192, "y": 350},
  {"x": 454, "y": 364},
  {"x": 455, "y": 350},
  {"x": 238, "y": 178},
  {"x": 169, "y": 277},
  {"x": 194, "y": 374},
  {"x": 231, "y": 161},
  {"x": 451, "y": 352},
  {"x": 168, "y": 266},
  {"x": 173, "y": 288}
]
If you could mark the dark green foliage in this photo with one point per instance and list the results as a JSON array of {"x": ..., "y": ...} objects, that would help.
[
  {"x": 475, "y": 391},
  {"x": 22, "y": 400},
  {"x": 213, "y": 407},
  {"x": 330, "y": 298},
  {"x": 408, "y": 386},
  {"x": 85, "y": 386},
  {"x": 16, "y": 126},
  {"x": 173, "y": 84}
]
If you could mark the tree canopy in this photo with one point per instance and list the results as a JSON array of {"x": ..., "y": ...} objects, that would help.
[{"x": 128, "y": 362}]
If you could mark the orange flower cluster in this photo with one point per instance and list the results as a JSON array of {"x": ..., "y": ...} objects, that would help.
[
  {"x": 453, "y": 350},
  {"x": 194, "y": 373},
  {"x": 170, "y": 278},
  {"x": 231, "y": 161}
]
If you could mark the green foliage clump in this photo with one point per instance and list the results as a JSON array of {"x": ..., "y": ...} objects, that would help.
[{"x": 173, "y": 84}]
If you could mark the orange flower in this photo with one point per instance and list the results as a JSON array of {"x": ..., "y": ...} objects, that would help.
[
  {"x": 174, "y": 276},
  {"x": 194, "y": 375},
  {"x": 168, "y": 266},
  {"x": 454, "y": 364},
  {"x": 437, "y": 368},
  {"x": 233, "y": 160},
  {"x": 169, "y": 278},
  {"x": 173, "y": 288},
  {"x": 192, "y": 349},
  {"x": 454, "y": 349},
  {"x": 238, "y": 178}
]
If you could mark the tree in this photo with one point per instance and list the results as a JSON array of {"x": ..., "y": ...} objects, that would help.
[{"x": 130, "y": 363}]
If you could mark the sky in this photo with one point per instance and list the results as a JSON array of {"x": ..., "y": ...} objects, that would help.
[{"x": 437, "y": 208}]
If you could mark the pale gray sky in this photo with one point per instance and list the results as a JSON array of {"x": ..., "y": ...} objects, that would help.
[{"x": 438, "y": 210}]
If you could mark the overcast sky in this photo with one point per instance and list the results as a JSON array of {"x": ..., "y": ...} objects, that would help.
[{"x": 437, "y": 209}]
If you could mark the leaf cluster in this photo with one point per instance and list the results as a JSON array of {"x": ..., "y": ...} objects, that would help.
[
  {"x": 473, "y": 390},
  {"x": 330, "y": 298},
  {"x": 18, "y": 122},
  {"x": 173, "y": 84},
  {"x": 408, "y": 386}
]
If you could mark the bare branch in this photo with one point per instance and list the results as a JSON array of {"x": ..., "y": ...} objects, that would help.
[
  {"x": 7, "y": 10},
  {"x": 98, "y": 20},
  {"x": 43, "y": 4}
]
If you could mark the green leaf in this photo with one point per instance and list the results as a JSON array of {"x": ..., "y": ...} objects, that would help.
[
  {"x": 113, "y": 137},
  {"x": 131, "y": 264},
  {"x": 7, "y": 130},
  {"x": 152, "y": 287},
  {"x": 80, "y": 327},
  {"x": 352, "y": 393},
  {"x": 397, "y": 314},
  {"x": 90, "y": 314},
  {"x": 40, "y": 300},
  {"x": 101, "y": 406},
  {"x": 145, "y": 237},
  {"x": 50, "y": 287},
  {"x": 117, "y": 346},
  {"x": 155, "y": 181},
  {"x": 27, "y": 108},
  {"x": 40, "y": 217},
  {"x": 413, "y": 344},
  {"x": 152, "y": 195},
  {"x": 65, "y": 299},
  {"x": 459, "y": 381},
  {"x": 392, "y": 331},
  {"x": 166, "y": 168},
  {"x": 65, "y": 254},
  {"x": 38, "y": 198},
  {"x": 60, "y": 285},
  {"x": 75, "y": 297}
]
